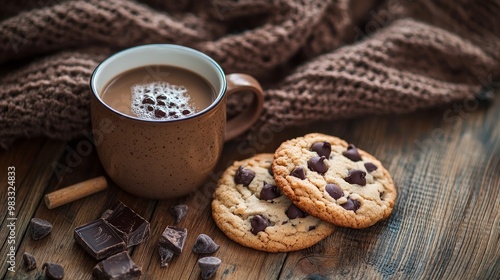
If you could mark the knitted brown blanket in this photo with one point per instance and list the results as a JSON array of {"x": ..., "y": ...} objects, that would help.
[{"x": 318, "y": 60}]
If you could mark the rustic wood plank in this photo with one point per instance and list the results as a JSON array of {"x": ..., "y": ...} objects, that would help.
[{"x": 446, "y": 221}]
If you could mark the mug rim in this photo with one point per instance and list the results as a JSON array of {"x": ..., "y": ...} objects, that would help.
[{"x": 220, "y": 95}]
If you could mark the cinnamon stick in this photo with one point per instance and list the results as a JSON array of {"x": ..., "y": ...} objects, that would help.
[{"x": 74, "y": 192}]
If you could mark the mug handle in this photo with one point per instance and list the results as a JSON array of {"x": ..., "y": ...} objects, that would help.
[{"x": 237, "y": 83}]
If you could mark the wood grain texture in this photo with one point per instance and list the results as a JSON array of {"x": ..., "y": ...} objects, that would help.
[{"x": 445, "y": 225}]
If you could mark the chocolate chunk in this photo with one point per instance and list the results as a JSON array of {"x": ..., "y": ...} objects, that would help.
[
  {"x": 53, "y": 271},
  {"x": 351, "y": 204},
  {"x": 179, "y": 212},
  {"x": 159, "y": 113},
  {"x": 29, "y": 261},
  {"x": 208, "y": 266},
  {"x": 295, "y": 212},
  {"x": 205, "y": 245},
  {"x": 244, "y": 176},
  {"x": 39, "y": 228},
  {"x": 311, "y": 228},
  {"x": 166, "y": 256},
  {"x": 352, "y": 153},
  {"x": 269, "y": 192},
  {"x": 186, "y": 112},
  {"x": 119, "y": 266},
  {"x": 106, "y": 214},
  {"x": 258, "y": 223},
  {"x": 370, "y": 167},
  {"x": 148, "y": 100},
  {"x": 356, "y": 176},
  {"x": 99, "y": 239},
  {"x": 161, "y": 97},
  {"x": 150, "y": 108},
  {"x": 298, "y": 172},
  {"x": 322, "y": 148},
  {"x": 317, "y": 164},
  {"x": 334, "y": 191},
  {"x": 173, "y": 238},
  {"x": 161, "y": 103},
  {"x": 131, "y": 227}
]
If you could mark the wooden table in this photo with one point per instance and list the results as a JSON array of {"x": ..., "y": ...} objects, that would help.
[{"x": 446, "y": 223}]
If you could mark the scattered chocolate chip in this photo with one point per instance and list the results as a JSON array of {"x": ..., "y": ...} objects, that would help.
[
  {"x": 150, "y": 108},
  {"x": 29, "y": 261},
  {"x": 160, "y": 113},
  {"x": 298, "y": 172},
  {"x": 130, "y": 226},
  {"x": 119, "y": 266},
  {"x": 173, "y": 238},
  {"x": 244, "y": 176},
  {"x": 269, "y": 192},
  {"x": 161, "y": 103},
  {"x": 208, "y": 266},
  {"x": 179, "y": 212},
  {"x": 334, "y": 191},
  {"x": 351, "y": 204},
  {"x": 166, "y": 256},
  {"x": 99, "y": 239},
  {"x": 39, "y": 228},
  {"x": 311, "y": 228},
  {"x": 205, "y": 245},
  {"x": 322, "y": 148},
  {"x": 317, "y": 164},
  {"x": 148, "y": 100},
  {"x": 258, "y": 223},
  {"x": 53, "y": 271},
  {"x": 370, "y": 167},
  {"x": 161, "y": 97},
  {"x": 186, "y": 112},
  {"x": 294, "y": 212},
  {"x": 356, "y": 176},
  {"x": 352, "y": 153}
]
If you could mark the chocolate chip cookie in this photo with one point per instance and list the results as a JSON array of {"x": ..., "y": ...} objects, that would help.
[
  {"x": 251, "y": 210},
  {"x": 334, "y": 181}
]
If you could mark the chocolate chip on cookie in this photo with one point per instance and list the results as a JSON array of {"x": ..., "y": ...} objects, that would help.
[
  {"x": 244, "y": 176},
  {"x": 356, "y": 176},
  {"x": 269, "y": 192},
  {"x": 294, "y": 212},
  {"x": 352, "y": 153},
  {"x": 351, "y": 204},
  {"x": 322, "y": 148},
  {"x": 259, "y": 223},
  {"x": 298, "y": 172},
  {"x": 370, "y": 167},
  {"x": 334, "y": 191},
  {"x": 317, "y": 164}
]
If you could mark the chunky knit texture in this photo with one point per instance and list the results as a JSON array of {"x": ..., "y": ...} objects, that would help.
[{"x": 318, "y": 60}]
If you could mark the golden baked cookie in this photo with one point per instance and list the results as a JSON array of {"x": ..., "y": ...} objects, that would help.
[
  {"x": 334, "y": 181},
  {"x": 251, "y": 210}
]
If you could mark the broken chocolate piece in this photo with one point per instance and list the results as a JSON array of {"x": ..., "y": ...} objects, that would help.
[
  {"x": 159, "y": 113},
  {"x": 298, "y": 172},
  {"x": 322, "y": 148},
  {"x": 351, "y": 204},
  {"x": 29, "y": 261},
  {"x": 53, "y": 271},
  {"x": 295, "y": 212},
  {"x": 317, "y": 164},
  {"x": 269, "y": 192},
  {"x": 356, "y": 176},
  {"x": 166, "y": 256},
  {"x": 370, "y": 167},
  {"x": 244, "y": 176},
  {"x": 352, "y": 153},
  {"x": 39, "y": 228},
  {"x": 173, "y": 238},
  {"x": 130, "y": 226},
  {"x": 258, "y": 224},
  {"x": 179, "y": 211},
  {"x": 208, "y": 266},
  {"x": 119, "y": 266},
  {"x": 99, "y": 239},
  {"x": 334, "y": 191},
  {"x": 205, "y": 245}
]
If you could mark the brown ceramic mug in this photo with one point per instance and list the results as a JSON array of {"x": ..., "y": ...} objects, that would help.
[{"x": 167, "y": 158}]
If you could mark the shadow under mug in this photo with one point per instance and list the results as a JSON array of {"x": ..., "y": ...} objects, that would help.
[{"x": 160, "y": 159}]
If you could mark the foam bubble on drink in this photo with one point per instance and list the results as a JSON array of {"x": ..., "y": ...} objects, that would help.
[{"x": 161, "y": 101}]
